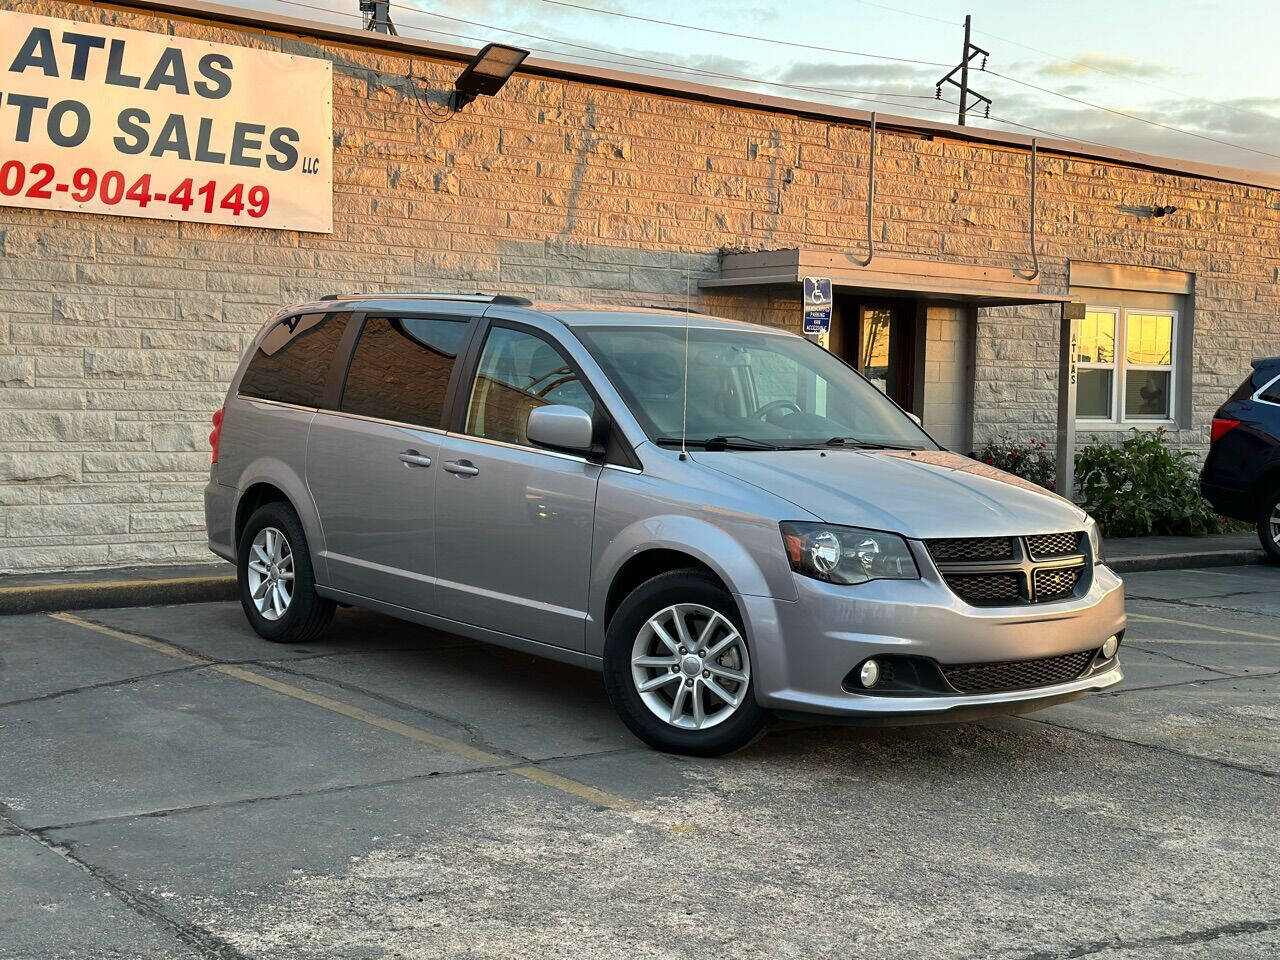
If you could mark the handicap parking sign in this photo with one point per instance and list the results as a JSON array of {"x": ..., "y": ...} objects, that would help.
[{"x": 817, "y": 304}]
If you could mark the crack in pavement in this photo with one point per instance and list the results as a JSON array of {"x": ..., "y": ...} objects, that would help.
[
  {"x": 1226, "y": 764},
  {"x": 1189, "y": 663},
  {"x": 1187, "y": 683},
  {"x": 1239, "y": 928},
  {"x": 190, "y": 668},
  {"x": 192, "y": 934},
  {"x": 469, "y": 728},
  {"x": 105, "y": 684},
  {"x": 165, "y": 812},
  {"x": 1191, "y": 604}
]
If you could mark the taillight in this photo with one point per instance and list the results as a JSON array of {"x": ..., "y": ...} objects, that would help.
[
  {"x": 1221, "y": 427},
  {"x": 215, "y": 435}
]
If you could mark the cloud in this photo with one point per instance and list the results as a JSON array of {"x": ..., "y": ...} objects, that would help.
[{"x": 1087, "y": 63}]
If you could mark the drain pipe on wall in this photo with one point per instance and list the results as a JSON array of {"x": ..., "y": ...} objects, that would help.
[
  {"x": 871, "y": 196},
  {"x": 1035, "y": 256}
]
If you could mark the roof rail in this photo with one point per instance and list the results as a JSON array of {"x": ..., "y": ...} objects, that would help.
[{"x": 466, "y": 297}]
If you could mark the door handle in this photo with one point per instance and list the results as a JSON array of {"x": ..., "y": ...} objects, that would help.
[
  {"x": 414, "y": 459},
  {"x": 461, "y": 467}
]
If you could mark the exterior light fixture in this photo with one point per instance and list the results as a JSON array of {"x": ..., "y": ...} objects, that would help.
[
  {"x": 486, "y": 73},
  {"x": 1163, "y": 211}
]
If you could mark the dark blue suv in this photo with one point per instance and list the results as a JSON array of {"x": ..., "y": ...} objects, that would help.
[{"x": 1241, "y": 475}]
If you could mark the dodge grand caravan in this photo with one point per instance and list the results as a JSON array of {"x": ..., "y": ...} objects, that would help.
[{"x": 725, "y": 519}]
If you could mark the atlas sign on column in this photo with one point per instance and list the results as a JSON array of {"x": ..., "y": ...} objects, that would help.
[{"x": 100, "y": 119}]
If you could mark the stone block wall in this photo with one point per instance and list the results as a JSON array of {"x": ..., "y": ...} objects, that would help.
[{"x": 118, "y": 335}]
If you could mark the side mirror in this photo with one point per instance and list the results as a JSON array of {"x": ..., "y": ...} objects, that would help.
[
  {"x": 916, "y": 417},
  {"x": 560, "y": 427}
]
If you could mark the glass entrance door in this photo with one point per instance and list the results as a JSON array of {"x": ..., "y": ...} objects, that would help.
[{"x": 879, "y": 340}]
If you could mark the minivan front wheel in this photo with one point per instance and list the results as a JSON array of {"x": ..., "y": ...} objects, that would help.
[
  {"x": 678, "y": 668},
  {"x": 277, "y": 586}
]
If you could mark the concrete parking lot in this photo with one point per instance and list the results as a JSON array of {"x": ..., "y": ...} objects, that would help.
[{"x": 171, "y": 787}]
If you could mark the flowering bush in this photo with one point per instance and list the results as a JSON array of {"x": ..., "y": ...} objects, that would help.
[
  {"x": 1030, "y": 461},
  {"x": 1143, "y": 487}
]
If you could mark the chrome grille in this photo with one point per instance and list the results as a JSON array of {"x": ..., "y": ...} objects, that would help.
[
  {"x": 1054, "y": 545},
  {"x": 971, "y": 549},
  {"x": 1054, "y": 584},
  {"x": 986, "y": 589},
  {"x": 1016, "y": 674}
]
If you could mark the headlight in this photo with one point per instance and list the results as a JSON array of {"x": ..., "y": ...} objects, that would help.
[
  {"x": 1095, "y": 540},
  {"x": 846, "y": 554}
]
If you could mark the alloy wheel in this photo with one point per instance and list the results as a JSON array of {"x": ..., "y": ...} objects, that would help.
[
  {"x": 1275, "y": 524},
  {"x": 270, "y": 573},
  {"x": 690, "y": 666}
]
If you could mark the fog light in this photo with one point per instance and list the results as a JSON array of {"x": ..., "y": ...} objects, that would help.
[
  {"x": 869, "y": 675},
  {"x": 1109, "y": 647}
]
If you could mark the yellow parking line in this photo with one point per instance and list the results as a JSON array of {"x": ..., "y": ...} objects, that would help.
[
  {"x": 117, "y": 584},
  {"x": 1204, "y": 626},
  {"x": 154, "y": 645},
  {"x": 482, "y": 757}
]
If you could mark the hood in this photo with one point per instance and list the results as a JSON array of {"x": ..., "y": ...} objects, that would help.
[{"x": 920, "y": 494}]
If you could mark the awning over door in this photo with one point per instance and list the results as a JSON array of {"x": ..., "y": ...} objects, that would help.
[{"x": 931, "y": 280}]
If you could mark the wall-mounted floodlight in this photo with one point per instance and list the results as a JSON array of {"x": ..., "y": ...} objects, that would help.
[{"x": 486, "y": 73}]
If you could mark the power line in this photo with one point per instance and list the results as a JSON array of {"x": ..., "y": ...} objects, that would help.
[
  {"x": 664, "y": 63},
  {"x": 1132, "y": 116},
  {"x": 1054, "y": 58},
  {"x": 1095, "y": 106},
  {"x": 909, "y": 13},
  {"x": 742, "y": 36},
  {"x": 612, "y": 60}
]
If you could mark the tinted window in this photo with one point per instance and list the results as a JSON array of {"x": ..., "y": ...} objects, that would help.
[
  {"x": 400, "y": 370},
  {"x": 517, "y": 373},
  {"x": 292, "y": 360},
  {"x": 1271, "y": 393}
]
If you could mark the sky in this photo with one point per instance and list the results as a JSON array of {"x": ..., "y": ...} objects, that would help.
[{"x": 1207, "y": 68}]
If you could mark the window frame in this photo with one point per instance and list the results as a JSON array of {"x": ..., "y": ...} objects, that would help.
[
  {"x": 1258, "y": 394},
  {"x": 1120, "y": 367},
  {"x": 345, "y": 356},
  {"x": 469, "y": 314},
  {"x": 460, "y": 395},
  {"x": 353, "y": 319}
]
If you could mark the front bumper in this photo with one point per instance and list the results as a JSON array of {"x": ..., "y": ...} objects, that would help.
[{"x": 803, "y": 650}]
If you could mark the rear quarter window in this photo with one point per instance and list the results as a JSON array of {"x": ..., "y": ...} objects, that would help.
[
  {"x": 292, "y": 361},
  {"x": 1271, "y": 392}
]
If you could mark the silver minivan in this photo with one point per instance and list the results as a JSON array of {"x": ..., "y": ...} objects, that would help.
[{"x": 725, "y": 519}]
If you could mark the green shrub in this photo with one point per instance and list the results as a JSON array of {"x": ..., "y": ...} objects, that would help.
[
  {"x": 1143, "y": 487},
  {"x": 1030, "y": 461}
]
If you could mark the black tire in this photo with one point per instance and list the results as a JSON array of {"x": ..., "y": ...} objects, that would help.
[
  {"x": 1265, "y": 534},
  {"x": 308, "y": 613},
  {"x": 740, "y": 728}
]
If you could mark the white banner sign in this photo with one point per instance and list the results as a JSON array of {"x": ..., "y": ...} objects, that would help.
[{"x": 104, "y": 120}]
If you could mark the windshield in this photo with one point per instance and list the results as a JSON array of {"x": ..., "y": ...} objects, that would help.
[{"x": 747, "y": 390}]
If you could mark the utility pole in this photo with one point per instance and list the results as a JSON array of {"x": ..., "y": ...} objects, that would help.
[
  {"x": 967, "y": 54},
  {"x": 377, "y": 16}
]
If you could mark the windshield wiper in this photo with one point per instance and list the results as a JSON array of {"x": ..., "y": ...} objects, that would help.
[
  {"x": 866, "y": 444},
  {"x": 725, "y": 442}
]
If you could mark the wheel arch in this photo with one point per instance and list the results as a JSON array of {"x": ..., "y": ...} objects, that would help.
[
  {"x": 272, "y": 481},
  {"x": 658, "y": 545}
]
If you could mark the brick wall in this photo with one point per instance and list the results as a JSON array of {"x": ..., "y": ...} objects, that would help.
[{"x": 118, "y": 335}]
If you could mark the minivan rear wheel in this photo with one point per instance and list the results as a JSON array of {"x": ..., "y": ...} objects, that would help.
[
  {"x": 677, "y": 667},
  {"x": 277, "y": 585},
  {"x": 1269, "y": 526}
]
